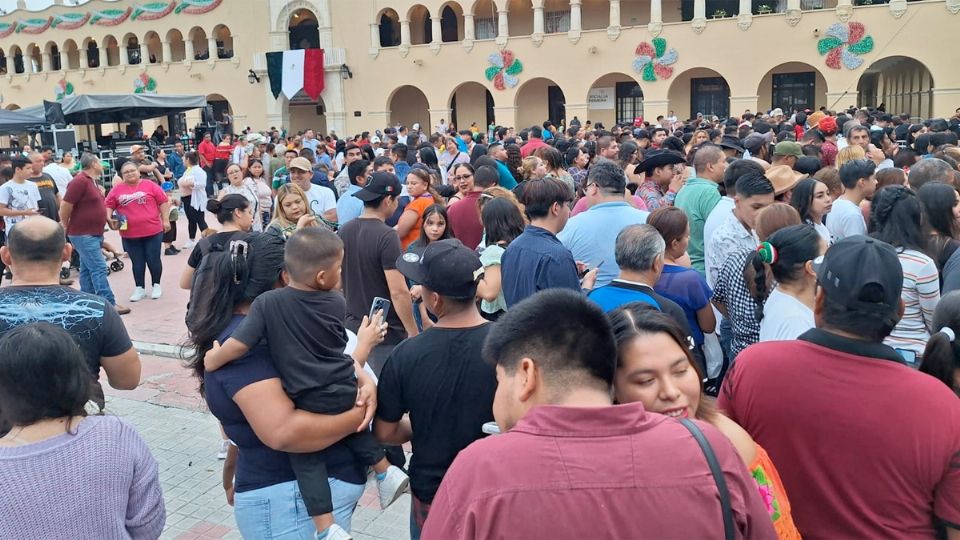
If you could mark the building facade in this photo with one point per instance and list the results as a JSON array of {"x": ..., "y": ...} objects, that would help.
[{"x": 513, "y": 62}]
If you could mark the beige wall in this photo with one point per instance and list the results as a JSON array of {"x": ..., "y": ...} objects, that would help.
[
  {"x": 409, "y": 106},
  {"x": 607, "y": 116},
  {"x": 532, "y": 102},
  {"x": 471, "y": 106}
]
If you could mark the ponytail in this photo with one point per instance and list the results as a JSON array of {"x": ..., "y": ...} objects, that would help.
[
  {"x": 759, "y": 262},
  {"x": 940, "y": 357},
  {"x": 782, "y": 258}
]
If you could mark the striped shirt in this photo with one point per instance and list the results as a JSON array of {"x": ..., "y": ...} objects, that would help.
[{"x": 920, "y": 295}]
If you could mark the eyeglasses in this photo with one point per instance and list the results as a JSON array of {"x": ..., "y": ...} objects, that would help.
[{"x": 462, "y": 177}]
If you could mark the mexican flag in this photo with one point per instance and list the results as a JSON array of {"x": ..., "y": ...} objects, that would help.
[{"x": 292, "y": 71}]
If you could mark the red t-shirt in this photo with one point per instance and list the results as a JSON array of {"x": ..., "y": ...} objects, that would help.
[
  {"x": 530, "y": 147},
  {"x": 89, "y": 211},
  {"x": 465, "y": 221},
  {"x": 140, "y": 203},
  {"x": 224, "y": 151},
  {"x": 866, "y": 446},
  {"x": 208, "y": 153}
]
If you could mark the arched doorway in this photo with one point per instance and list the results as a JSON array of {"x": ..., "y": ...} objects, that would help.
[
  {"x": 451, "y": 22},
  {"x": 305, "y": 113},
  {"x": 902, "y": 85},
  {"x": 53, "y": 50},
  {"x": 224, "y": 41},
  {"x": 111, "y": 51},
  {"x": 154, "y": 48},
  {"x": 485, "y": 19},
  {"x": 3, "y": 63},
  {"x": 304, "y": 30},
  {"x": 219, "y": 105},
  {"x": 520, "y": 17},
  {"x": 538, "y": 100},
  {"x": 201, "y": 48},
  {"x": 35, "y": 58},
  {"x": 470, "y": 103},
  {"x": 178, "y": 51},
  {"x": 408, "y": 105},
  {"x": 421, "y": 25},
  {"x": 17, "y": 55},
  {"x": 614, "y": 98},
  {"x": 793, "y": 86},
  {"x": 556, "y": 16},
  {"x": 699, "y": 90},
  {"x": 389, "y": 22},
  {"x": 71, "y": 54},
  {"x": 131, "y": 48}
]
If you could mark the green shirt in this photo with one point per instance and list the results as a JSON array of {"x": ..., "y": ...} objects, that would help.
[
  {"x": 280, "y": 178},
  {"x": 697, "y": 199}
]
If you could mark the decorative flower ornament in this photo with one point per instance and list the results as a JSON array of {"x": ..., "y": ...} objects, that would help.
[
  {"x": 503, "y": 70},
  {"x": 654, "y": 61},
  {"x": 844, "y": 44},
  {"x": 144, "y": 84},
  {"x": 63, "y": 89}
]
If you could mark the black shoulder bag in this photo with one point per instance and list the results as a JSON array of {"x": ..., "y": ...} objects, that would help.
[{"x": 728, "y": 531}]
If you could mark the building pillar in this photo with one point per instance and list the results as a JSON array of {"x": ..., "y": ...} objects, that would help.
[
  {"x": 745, "y": 17},
  {"x": 699, "y": 15},
  {"x": 405, "y": 33},
  {"x": 436, "y": 30},
  {"x": 469, "y": 27},
  {"x": 212, "y": 47},
  {"x": 613, "y": 29},
  {"x": 793, "y": 12},
  {"x": 576, "y": 21},
  {"x": 944, "y": 102},
  {"x": 538, "y": 22},
  {"x": 124, "y": 53},
  {"x": 739, "y": 104},
  {"x": 189, "y": 53},
  {"x": 503, "y": 27},
  {"x": 46, "y": 62},
  {"x": 505, "y": 116},
  {"x": 374, "y": 36},
  {"x": 145, "y": 54},
  {"x": 656, "y": 17},
  {"x": 167, "y": 52}
]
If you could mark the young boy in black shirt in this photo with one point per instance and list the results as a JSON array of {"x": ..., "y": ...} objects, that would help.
[{"x": 303, "y": 325}]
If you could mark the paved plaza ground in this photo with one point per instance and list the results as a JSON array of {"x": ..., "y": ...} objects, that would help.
[{"x": 172, "y": 417}]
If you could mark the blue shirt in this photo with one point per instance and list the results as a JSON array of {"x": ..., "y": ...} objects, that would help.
[
  {"x": 175, "y": 163},
  {"x": 311, "y": 144},
  {"x": 506, "y": 179},
  {"x": 535, "y": 261},
  {"x": 401, "y": 169},
  {"x": 689, "y": 290},
  {"x": 349, "y": 207},
  {"x": 591, "y": 236},
  {"x": 462, "y": 145}
]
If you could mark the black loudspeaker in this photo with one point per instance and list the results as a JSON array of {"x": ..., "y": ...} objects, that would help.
[
  {"x": 207, "y": 115},
  {"x": 54, "y": 113}
]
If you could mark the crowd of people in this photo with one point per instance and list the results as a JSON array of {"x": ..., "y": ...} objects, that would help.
[{"x": 743, "y": 327}]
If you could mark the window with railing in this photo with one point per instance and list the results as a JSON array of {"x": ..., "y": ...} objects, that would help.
[
  {"x": 555, "y": 22},
  {"x": 485, "y": 28}
]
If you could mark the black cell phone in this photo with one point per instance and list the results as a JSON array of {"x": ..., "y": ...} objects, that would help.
[
  {"x": 380, "y": 304},
  {"x": 588, "y": 268}
]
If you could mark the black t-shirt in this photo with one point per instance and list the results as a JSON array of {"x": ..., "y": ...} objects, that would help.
[
  {"x": 305, "y": 333},
  {"x": 206, "y": 245},
  {"x": 258, "y": 465},
  {"x": 48, "y": 196},
  {"x": 440, "y": 378},
  {"x": 89, "y": 319},
  {"x": 369, "y": 248}
]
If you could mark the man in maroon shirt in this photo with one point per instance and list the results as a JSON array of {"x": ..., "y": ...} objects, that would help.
[
  {"x": 83, "y": 215},
  {"x": 574, "y": 466},
  {"x": 866, "y": 446},
  {"x": 464, "y": 214}
]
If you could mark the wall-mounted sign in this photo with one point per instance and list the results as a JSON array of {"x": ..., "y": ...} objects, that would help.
[{"x": 602, "y": 99}]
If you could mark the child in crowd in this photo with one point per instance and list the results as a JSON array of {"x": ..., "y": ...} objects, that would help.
[{"x": 308, "y": 351}]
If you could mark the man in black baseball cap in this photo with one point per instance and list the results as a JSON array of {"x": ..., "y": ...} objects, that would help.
[
  {"x": 840, "y": 385},
  {"x": 379, "y": 185},
  {"x": 439, "y": 377}
]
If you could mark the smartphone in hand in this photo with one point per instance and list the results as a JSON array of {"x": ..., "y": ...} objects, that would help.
[{"x": 380, "y": 304}]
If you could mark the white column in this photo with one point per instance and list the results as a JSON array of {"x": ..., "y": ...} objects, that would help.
[
  {"x": 469, "y": 27},
  {"x": 745, "y": 8},
  {"x": 167, "y": 52},
  {"x": 699, "y": 9},
  {"x": 614, "y": 13},
  {"x": 538, "y": 20},
  {"x": 189, "y": 53},
  {"x": 791, "y": 4},
  {"x": 212, "y": 47},
  {"x": 656, "y": 11},
  {"x": 576, "y": 17},
  {"x": 46, "y": 61},
  {"x": 436, "y": 30},
  {"x": 374, "y": 36},
  {"x": 405, "y": 33},
  {"x": 124, "y": 54},
  {"x": 145, "y": 54},
  {"x": 503, "y": 24}
]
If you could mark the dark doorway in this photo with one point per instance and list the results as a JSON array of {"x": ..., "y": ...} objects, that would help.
[
  {"x": 556, "y": 105},
  {"x": 305, "y": 35},
  {"x": 448, "y": 25},
  {"x": 389, "y": 31},
  {"x": 629, "y": 100},
  {"x": 710, "y": 95},
  {"x": 794, "y": 91},
  {"x": 427, "y": 30}
]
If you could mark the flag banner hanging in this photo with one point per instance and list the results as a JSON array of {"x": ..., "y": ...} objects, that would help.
[
  {"x": 275, "y": 72},
  {"x": 292, "y": 72},
  {"x": 313, "y": 73}
]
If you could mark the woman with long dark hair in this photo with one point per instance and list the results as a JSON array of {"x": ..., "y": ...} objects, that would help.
[
  {"x": 785, "y": 305},
  {"x": 422, "y": 195},
  {"x": 941, "y": 357},
  {"x": 236, "y": 215},
  {"x": 502, "y": 223},
  {"x": 248, "y": 399},
  {"x": 941, "y": 205},
  {"x": 514, "y": 161},
  {"x": 261, "y": 184},
  {"x": 656, "y": 368},
  {"x": 812, "y": 200},
  {"x": 896, "y": 217}
]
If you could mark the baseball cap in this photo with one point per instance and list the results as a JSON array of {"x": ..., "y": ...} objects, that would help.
[
  {"x": 374, "y": 140},
  {"x": 788, "y": 148},
  {"x": 754, "y": 141},
  {"x": 378, "y": 185},
  {"x": 446, "y": 267},
  {"x": 300, "y": 163},
  {"x": 862, "y": 273},
  {"x": 776, "y": 112},
  {"x": 136, "y": 148}
]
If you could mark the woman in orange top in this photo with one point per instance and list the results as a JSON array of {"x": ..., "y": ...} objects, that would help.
[
  {"x": 422, "y": 195},
  {"x": 655, "y": 367}
]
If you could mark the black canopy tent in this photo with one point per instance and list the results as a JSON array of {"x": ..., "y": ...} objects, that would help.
[
  {"x": 89, "y": 109},
  {"x": 14, "y": 122}
]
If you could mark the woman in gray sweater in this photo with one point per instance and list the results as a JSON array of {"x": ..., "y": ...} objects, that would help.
[{"x": 64, "y": 474}]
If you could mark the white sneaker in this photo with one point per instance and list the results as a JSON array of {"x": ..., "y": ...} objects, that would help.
[
  {"x": 189, "y": 244},
  {"x": 392, "y": 486},
  {"x": 138, "y": 294},
  {"x": 156, "y": 292},
  {"x": 336, "y": 532},
  {"x": 222, "y": 453}
]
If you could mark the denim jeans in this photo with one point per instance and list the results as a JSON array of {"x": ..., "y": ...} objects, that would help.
[
  {"x": 277, "y": 511},
  {"x": 93, "y": 267}
]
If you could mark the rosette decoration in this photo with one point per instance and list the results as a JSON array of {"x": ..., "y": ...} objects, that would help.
[
  {"x": 503, "y": 70},
  {"x": 144, "y": 84},
  {"x": 653, "y": 61},
  {"x": 63, "y": 89},
  {"x": 153, "y": 10},
  {"x": 110, "y": 17},
  {"x": 844, "y": 44},
  {"x": 197, "y": 7}
]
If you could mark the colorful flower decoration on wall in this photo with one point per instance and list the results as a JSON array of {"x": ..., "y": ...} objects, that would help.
[
  {"x": 153, "y": 10},
  {"x": 503, "y": 70},
  {"x": 33, "y": 26},
  {"x": 144, "y": 84},
  {"x": 197, "y": 7},
  {"x": 63, "y": 89},
  {"x": 6, "y": 29},
  {"x": 654, "y": 61},
  {"x": 844, "y": 44},
  {"x": 110, "y": 17},
  {"x": 70, "y": 21}
]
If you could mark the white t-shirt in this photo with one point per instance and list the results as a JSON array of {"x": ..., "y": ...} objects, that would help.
[
  {"x": 784, "y": 318},
  {"x": 845, "y": 219},
  {"x": 824, "y": 233},
  {"x": 716, "y": 217},
  {"x": 61, "y": 176},
  {"x": 22, "y": 196},
  {"x": 321, "y": 199}
]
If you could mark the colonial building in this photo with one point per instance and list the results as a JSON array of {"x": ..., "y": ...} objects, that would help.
[{"x": 513, "y": 62}]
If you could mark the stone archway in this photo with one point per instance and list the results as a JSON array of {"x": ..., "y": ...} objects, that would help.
[
  {"x": 699, "y": 90},
  {"x": 408, "y": 105},
  {"x": 902, "y": 85},
  {"x": 471, "y": 102},
  {"x": 613, "y": 98},
  {"x": 537, "y": 100}
]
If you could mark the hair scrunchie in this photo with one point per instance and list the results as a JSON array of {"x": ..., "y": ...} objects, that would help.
[
  {"x": 768, "y": 253},
  {"x": 947, "y": 331}
]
